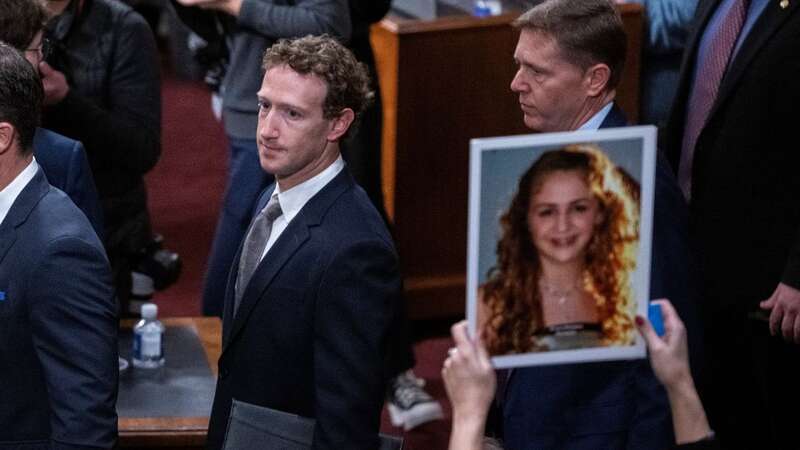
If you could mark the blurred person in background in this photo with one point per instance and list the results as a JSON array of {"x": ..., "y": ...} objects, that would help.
[
  {"x": 102, "y": 87},
  {"x": 667, "y": 24},
  {"x": 62, "y": 159}
]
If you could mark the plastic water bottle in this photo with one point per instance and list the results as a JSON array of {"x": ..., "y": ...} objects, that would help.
[{"x": 148, "y": 342}]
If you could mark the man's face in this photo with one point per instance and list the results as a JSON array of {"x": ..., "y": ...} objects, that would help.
[
  {"x": 552, "y": 92},
  {"x": 295, "y": 141}
]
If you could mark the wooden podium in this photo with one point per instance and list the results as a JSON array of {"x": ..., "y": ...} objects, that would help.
[{"x": 443, "y": 82}]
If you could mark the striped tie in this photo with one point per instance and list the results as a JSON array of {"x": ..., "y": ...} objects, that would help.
[
  {"x": 706, "y": 86},
  {"x": 254, "y": 245}
]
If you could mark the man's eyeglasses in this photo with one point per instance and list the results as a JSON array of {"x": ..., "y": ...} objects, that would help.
[{"x": 43, "y": 50}]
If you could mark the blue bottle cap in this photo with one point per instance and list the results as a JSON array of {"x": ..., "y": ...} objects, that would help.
[
  {"x": 654, "y": 314},
  {"x": 481, "y": 10}
]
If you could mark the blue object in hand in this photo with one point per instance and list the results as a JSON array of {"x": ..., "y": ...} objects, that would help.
[{"x": 654, "y": 314}]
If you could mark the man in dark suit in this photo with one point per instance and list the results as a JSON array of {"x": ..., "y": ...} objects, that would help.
[
  {"x": 732, "y": 140},
  {"x": 570, "y": 55},
  {"x": 315, "y": 284},
  {"x": 58, "y": 324}
]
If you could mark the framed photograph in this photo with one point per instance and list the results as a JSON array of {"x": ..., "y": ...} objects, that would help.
[{"x": 558, "y": 257}]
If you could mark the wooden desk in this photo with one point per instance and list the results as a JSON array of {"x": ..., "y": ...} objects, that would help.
[
  {"x": 180, "y": 432},
  {"x": 443, "y": 82}
]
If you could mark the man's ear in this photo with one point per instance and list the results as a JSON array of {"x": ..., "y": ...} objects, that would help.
[
  {"x": 7, "y": 136},
  {"x": 340, "y": 124},
  {"x": 597, "y": 77}
]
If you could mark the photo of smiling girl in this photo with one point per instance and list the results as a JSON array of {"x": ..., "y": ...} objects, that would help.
[{"x": 565, "y": 257}]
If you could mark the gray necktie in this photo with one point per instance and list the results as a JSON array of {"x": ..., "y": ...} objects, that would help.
[{"x": 254, "y": 244}]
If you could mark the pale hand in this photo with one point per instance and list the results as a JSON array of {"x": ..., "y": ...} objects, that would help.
[
  {"x": 54, "y": 83},
  {"x": 669, "y": 354},
  {"x": 785, "y": 316},
  {"x": 231, "y": 7},
  {"x": 468, "y": 375}
]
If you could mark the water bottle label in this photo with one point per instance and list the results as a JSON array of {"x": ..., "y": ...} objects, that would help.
[{"x": 147, "y": 346}]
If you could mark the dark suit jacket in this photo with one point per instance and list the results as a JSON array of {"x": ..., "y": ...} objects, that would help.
[
  {"x": 607, "y": 405},
  {"x": 58, "y": 327},
  {"x": 745, "y": 210},
  {"x": 64, "y": 162},
  {"x": 310, "y": 333}
]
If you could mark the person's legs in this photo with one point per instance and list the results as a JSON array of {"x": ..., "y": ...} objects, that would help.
[
  {"x": 246, "y": 180},
  {"x": 408, "y": 403}
]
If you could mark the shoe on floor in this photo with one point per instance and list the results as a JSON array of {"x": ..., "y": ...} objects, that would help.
[{"x": 409, "y": 404}]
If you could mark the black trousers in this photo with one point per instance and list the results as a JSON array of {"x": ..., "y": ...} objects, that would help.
[{"x": 754, "y": 390}]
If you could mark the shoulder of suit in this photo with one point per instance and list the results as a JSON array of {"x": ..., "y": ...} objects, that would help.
[
  {"x": 56, "y": 217},
  {"x": 353, "y": 214},
  {"x": 48, "y": 144}
]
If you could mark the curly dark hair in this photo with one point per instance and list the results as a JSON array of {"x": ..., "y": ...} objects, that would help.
[
  {"x": 347, "y": 79},
  {"x": 512, "y": 292}
]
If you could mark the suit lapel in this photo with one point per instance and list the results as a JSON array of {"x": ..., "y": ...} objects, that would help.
[
  {"x": 233, "y": 273},
  {"x": 291, "y": 240},
  {"x": 765, "y": 27},
  {"x": 21, "y": 209},
  {"x": 7, "y": 237},
  {"x": 615, "y": 118}
]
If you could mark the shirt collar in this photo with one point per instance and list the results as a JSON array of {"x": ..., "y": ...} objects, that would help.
[
  {"x": 293, "y": 200},
  {"x": 597, "y": 119},
  {"x": 10, "y": 193}
]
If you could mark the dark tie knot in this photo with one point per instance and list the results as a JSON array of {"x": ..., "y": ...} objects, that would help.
[{"x": 273, "y": 209}]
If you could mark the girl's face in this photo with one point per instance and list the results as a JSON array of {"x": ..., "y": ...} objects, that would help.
[{"x": 562, "y": 216}]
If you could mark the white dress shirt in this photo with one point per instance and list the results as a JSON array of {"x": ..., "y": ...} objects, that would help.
[
  {"x": 10, "y": 193},
  {"x": 597, "y": 119},
  {"x": 293, "y": 200}
]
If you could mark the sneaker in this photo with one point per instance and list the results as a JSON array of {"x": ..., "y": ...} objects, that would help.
[{"x": 409, "y": 404}]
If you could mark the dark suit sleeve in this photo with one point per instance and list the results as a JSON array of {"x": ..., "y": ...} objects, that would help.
[
  {"x": 672, "y": 269},
  {"x": 652, "y": 421},
  {"x": 355, "y": 303},
  {"x": 203, "y": 22},
  {"x": 82, "y": 189},
  {"x": 791, "y": 273},
  {"x": 305, "y": 17},
  {"x": 74, "y": 327}
]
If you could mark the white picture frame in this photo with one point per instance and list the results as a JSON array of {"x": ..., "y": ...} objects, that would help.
[{"x": 496, "y": 165}]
